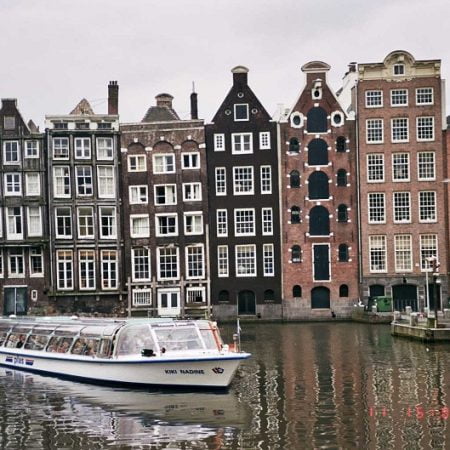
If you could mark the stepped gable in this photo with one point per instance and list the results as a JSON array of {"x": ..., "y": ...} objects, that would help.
[
  {"x": 163, "y": 110},
  {"x": 82, "y": 109}
]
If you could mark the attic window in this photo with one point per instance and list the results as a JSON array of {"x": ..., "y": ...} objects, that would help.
[
  {"x": 399, "y": 69},
  {"x": 9, "y": 122},
  {"x": 60, "y": 125},
  {"x": 240, "y": 112},
  {"x": 82, "y": 126},
  {"x": 104, "y": 126}
]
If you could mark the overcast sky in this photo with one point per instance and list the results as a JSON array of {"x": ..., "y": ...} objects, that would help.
[{"x": 55, "y": 52}]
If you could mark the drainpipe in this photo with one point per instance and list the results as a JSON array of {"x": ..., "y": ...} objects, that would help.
[{"x": 280, "y": 213}]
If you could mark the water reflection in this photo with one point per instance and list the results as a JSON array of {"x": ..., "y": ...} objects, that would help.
[{"x": 307, "y": 386}]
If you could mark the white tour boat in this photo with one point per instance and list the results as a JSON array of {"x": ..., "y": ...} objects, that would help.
[{"x": 165, "y": 352}]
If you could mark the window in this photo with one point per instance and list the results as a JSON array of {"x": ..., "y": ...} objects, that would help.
[
  {"x": 318, "y": 186},
  {"x": 296, "y": 254},
  {"x": 33, "y": 183},
  {"x": 86, "y": 261},
  {"x": 82, "y": 148},
  {"x": 266, "y": 179},
  {"x": 11, "y": 152},
  {"x": 140, "y": 264},
  {"x": 192, "y": 192},
  {"x": 398, "y": 69},
  {"x": 375, "y": 168},
  {"x": 109, "y": 262},
  {"x": 85, "y": 223},
  {"x": 138, "y": 194},
  {"x": 195, "y": 262},
  {"x": 168, "y": 263},
  {"x": 424, "y": 96},
  {"x": 342, "y": 213},
  {"x": 108, "y": 227},
  {"x": 16, "y": 263},
  {"x": 374, "y": 99},
  {"x": 319, "y": 221},
  {"x": 294, "y": 179},
  {"x": 14, "y": 228},
  {"x": 219, "y": 142},
  {"x": 403, "y": 253},
  {"x": 316, "y": 120},
  {"x": 377, "y": 253},
  {"x": 341, "y": 144},
  {"x": 317, "y": 153},
  {"x": 427, "y": 206},
  {"x": 105, "y": 149},
  {"x": 137, "y": 163},
  {"x": 195, "y": 295},
  {"x": 402, "y": 207},
  {"x": 36, "y": 262},
  {"x": 60, "y": 148},
  {"x": 142, "y": 297},
  {"x": 224, "y": 296},
  {"x": 13, "y": 184},
  {"x": 343, "y": 253},
  {"x": 425, "y": 128},
  {"x": 343, "y": 290},
  {"x": 61, "y": 181},
  {"x": 221, "y": 181},
  {"x": 268, "y": 260},
  {"x": 64, "y": 263},
  {"x": 341, "y": 178},
  {"x": 193, "y": 223},
  {"x": 377, "y": 212},
  {"x": 400, "y": 129},
  {"x": 139, "y": 225},
  {"x": 267, "y": 221},
  {"x": 164, "y": 163},
  {"x": 264, "y": 140},
  {"x": 244, "y": 222},
  {"x": 245, "y": 260},
  {"x": 165, "y": 194},
  {"x": 9, "y": 122},
  {"x": 222, "y": 261},
  {"x": 166, "y": 224},
  {"x": 243, "y": 180},
  {"x": 297, "y": 291},
  {"x": 400, "y": 167},
  {"x": 374, "y": 131},
  {"x": 241, "y": 143},
  {"x": 106, "y": 183},
  {"x": 63, "y": 219},
  {"x": 240, "y": 112},
  {"x": 295, "y": 215},
  {"x": 34, "y": 221},
  {"x": 294, "y": 146},
  {"x": 426, "y": 167},
  {"x": 31, "y": 149},
  {"x": 399, "y": 97},
  {"x": 222, "y": 222},
  {"x": 428, "y": 249},
  {"x": 84, "y": 180},
  {"x": 190, "y": 160}
]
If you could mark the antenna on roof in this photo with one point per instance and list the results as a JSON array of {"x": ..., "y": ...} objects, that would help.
[{"x": 193, "y": 86}]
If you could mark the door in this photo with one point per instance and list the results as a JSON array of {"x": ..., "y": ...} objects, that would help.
[
  {"x": 321, "y": 262},
  {"x": 320, "y": 298},
  {"x": 246, "y": 303},
  {"x": 375, "y": 290},
  {"x": 319, "y": 221},
  {"x": 431, "y": 296},
  {"x": 15, "y": 301},
  {"x": 404, "y": 295},
  {"x": 169, "y": 302}
]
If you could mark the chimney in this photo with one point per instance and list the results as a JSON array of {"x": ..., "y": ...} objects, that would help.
[
  {"x": 239, "y": 76},
  {"x": 194, "y": 105},
  {"x": 352, "y": 67},
  {"x": 113, "y": 98},
  {"x": 164, "y": 100}
]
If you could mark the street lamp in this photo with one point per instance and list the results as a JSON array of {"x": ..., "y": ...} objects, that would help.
[{"x": 433, "y": 262}]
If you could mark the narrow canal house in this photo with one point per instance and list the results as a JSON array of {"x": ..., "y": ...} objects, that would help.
[
  {"x": 244, "y": 234},
  {"x": 402, "y": 169},
  {"x": 318, "y": 202},
  {"x": 84, "y": 217},
  {"x": 165, "y": 204},
  {"x": 23, "y": 209}
]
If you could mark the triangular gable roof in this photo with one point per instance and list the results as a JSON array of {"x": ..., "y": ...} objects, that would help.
[{"x": 82, "y": 109}]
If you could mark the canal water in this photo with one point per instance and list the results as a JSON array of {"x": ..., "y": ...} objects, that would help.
[{"x": 308, "y": 385}]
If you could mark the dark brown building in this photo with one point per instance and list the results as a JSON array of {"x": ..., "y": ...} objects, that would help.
[{"x": 244, "y": 233}]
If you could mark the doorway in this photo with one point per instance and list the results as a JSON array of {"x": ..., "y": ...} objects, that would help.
[{"x": 246, "y": 303}]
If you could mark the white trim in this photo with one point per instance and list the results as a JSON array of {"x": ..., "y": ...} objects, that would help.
[
  {"x": 255, "y": 261},
  {"x": 248, "y": 112},
  {"x": 177, "y": 255},
  {"x": 40, "y": 231},
  {"x": 114, "y": 222},
  {"x": 241, "y": 137},
  {"x": 193, "y": 188},
  {"x": 157, "y": 224},
  {"x": 225, "y": 259},
  {"x": 190, "y": 158},
  {"x": 142, "y": 234},
  {"x": 133, "y": 266},
  {"x": 193, "y": 214},
  {"x": 174, "y": 188},
  {"x": 186, "y": 256},
  {"x": 138, "y": 188},
  {"x": 253, "y": 222},
  {"x": 27, "y": 184},
  {"x": 165, "y": 165},
  {"x": 137, "y": 157},
  {"x": 313, "y": 261}
]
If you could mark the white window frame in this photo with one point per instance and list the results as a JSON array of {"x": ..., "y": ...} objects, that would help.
[
  {"x": 102, "y": 192},
  {"x": 9, "y": 235},
  {"x": 33, "y": 254},
  {"x": 424, "y": 166},
  {"x": 28, "y": 184},
  {"x": 429, "y": 251},
  {"x": 63, "y": 236},
  {"x": 142, "y": 234},
  {"x": 140, "y": 163},
  {"x": 65, "y": 146},
  {"x": 104, "y": 149},
  {"x": 194, "y": 214},
  {"x": 222, "y": 223},
  {"x": 202, "y": 254},
  {"x": 379, "y": 164},
  {"x": 401, "y": 208},
  {"x": 112, "y": 225},
  {"x": 378, "y": 209},
  {"x": 157, "y": 224},
  {"x": 223, "y": 265},
  {"x": 143, "y": 257},
  {"x": 264, "y": 140},
  {"x": 85, "y": 150},
  {"x": 38, "y": 232},
  {"x": 29, "y": 147},
  {"x": 89, "y": 260},
  {"x": 371, "y": 98},
  {"x": 267, "y": 230},
  {"x": 173, "y": 187},
  {"x": 165, "y": 167},
  {"x": 87, "y": 236},
  {"x": 418, "y": 93},
  {"x": 64, "y": 178},
  {"x": 266, "y": 179},
  {"x": 424, "y": 206},
  {"x": 142, "y": 296},
  {"x": 396, "y": 94},
  {"x": 402, "y": 72},
  {"x": 18, "y": 256},
  {"x": 399, "y": 164},
  {"x": 16, "y": 161},
  {"x": 426, "y": 139},
  {"x": 136, "y": 199},
  {"x": 235, "y": 137},
  {"x": 250, "y": 170},
  {"x": 268, "y": 260},
  {"x": 251, "y": 216},
  {"x": 193, "y": 290},
  {"x": 369, "y": 137},
  {"x": 219, "y": 142},
  {"x": 85, "y": 186},
  {"x": 221, "y": 181},
  {"x": 403, "y": 253},
  {"x": 111, "y": 265},
  {"x": 177, "y": 255},
  {"x": 65, "y": 283},
  {"x": 195, "y": 188},
  {"x": 397, "y": 130},
  {"x": 16, "y": 182},
  {"x": 372, "y": 246},
  {"x": 247, "y": 118},
  {"x": 191, "y": 156},
  {"x": 238, "y": 248}
]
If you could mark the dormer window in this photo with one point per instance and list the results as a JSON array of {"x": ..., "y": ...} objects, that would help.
[
  {"x": 399, "y": 69},
  {"x": 9, "y": 122},
  {"x": 240, "y": 112}
]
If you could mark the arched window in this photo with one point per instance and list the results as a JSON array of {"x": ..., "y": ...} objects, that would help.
[
  {"x": 318, "y": 186},
  {"x": 269, "y": 295},
  {"x": 319, "y": 221},
  {"x": 341, "y": 144},
  {"x": 294, "y": 179},
  {"x": 343, "y": 253},
  {"x": 317, "y": 120},
  {"x": 342, "y": 177},
  {"x": 224, "y": 296},
  {"x": 343, "y": 290},
  {"x": 296, "y": 254},
  {"x": 295, "y": 214},
  {"x": 342, "y": 213},
  {"x": 294, "y": 146},
  {"x": 297, "y": 291},
  {"x": 317, "y": 153}
]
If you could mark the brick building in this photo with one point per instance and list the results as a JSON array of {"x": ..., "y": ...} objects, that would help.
[
  {"x": 318, "y": 202},
  {"x": 241, "y": 145},
  {"x": 24, "y": 274},
  {"x": 165, "y": 204},
  {"x": 402, "y": 169}
]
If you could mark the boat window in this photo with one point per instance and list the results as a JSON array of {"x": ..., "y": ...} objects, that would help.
[
  {"x": 36, "y": 342},
  {"x": 16, "y": 340},
  {"x": 4, "y": 330},
  {"x": 85, "y": 346},
  {"x": 104, "y": 349},
  {"x": 59, "y": 344},
  {"x": 68, "y": 330},
  {"x": 208, "y": 338},
  {"x": 92, "y": 331},
  {"x": 133, "y": 339},
  {"x": 185, "y": 338}
]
